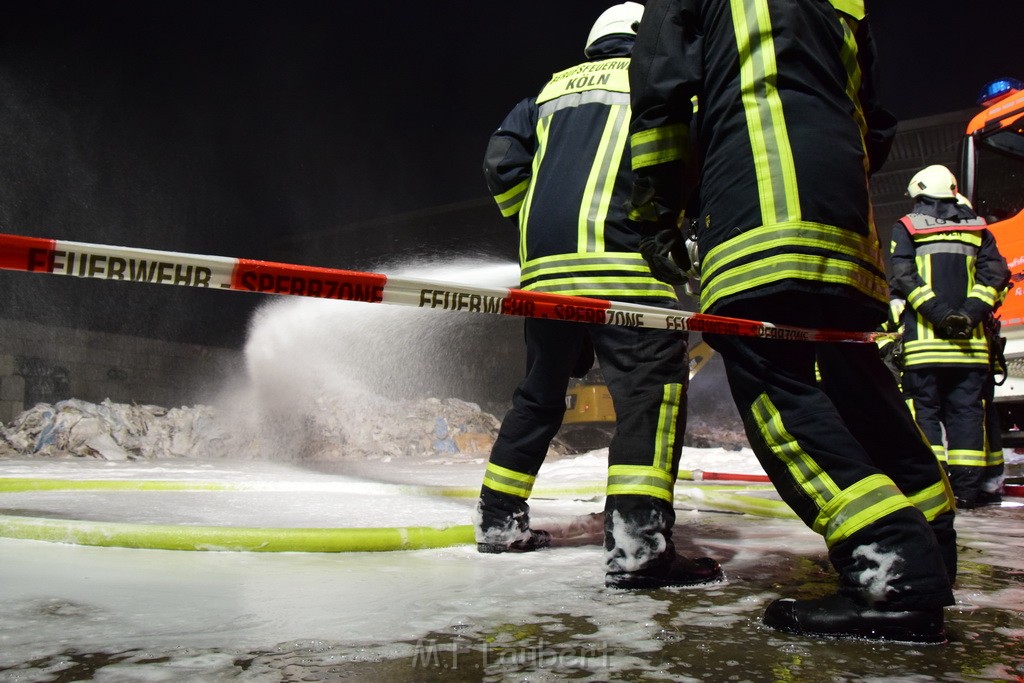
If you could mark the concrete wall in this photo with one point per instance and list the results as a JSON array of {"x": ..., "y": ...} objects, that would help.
[{"x": 42, "y": 363}]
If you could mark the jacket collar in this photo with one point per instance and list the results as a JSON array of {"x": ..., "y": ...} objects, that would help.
[
  {"x": 616, "y": 45},
  {"x": 946, "y": 209}
]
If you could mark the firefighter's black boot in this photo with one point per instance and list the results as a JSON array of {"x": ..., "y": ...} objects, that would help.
[
  {"x": 840, "y": 617},
  {"x": 680, "y": 572},
  {"x": 503, "y": 525},
  {"x": 989, "y": 498},
  {"x": 537, "y": 540}
]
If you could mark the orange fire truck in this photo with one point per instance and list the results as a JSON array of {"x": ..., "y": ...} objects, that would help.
[{"x": 992, "y": 177}]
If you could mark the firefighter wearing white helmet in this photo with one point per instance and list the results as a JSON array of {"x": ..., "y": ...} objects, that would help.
[
  {"x": 934, "y": 181},
  {"x": 559, "y": 167},
  {"x": 946, "y": 265},
  {"x": 619, "y": 19}
]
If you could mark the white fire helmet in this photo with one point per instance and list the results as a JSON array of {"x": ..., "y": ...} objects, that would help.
[
  {"x": 617, "y": 19},
  {"x": 935, "y": 181}
]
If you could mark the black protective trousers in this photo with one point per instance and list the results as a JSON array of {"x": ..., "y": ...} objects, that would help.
[
  {"x": 844, "y": 452},
  {"x": 949, "y": 404},
  {"x": 638, "y": 364},
  {"x": 995, "y": 467}
]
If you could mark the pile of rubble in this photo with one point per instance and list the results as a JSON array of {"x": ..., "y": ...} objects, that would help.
[
  {"x": 722, "y": 434},
  {"x": 430, "y": 428},
  {"x": 426, "y": 429},
  {"x": 112, "y": 431}
]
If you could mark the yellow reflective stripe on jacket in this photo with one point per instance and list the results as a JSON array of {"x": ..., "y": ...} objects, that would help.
[
  {"x": 916, "y": 358},
  {"x": 920, "y": 295},
  {"x": 668, "y": 416},
  {"x": 849, "y": 54},
  {"x": 794, "y": 234},
  {"x": 792, "y": 267},
  {"x": 766, "y": 122},
  {"x": 658, "y": 145},
  {"x": 579, "y": 99},
  {"x": 512, "y": 201},
  {"x": 818, "y": 486},
  {"x": 600, "y": 187},
  {"x": 614, "y": 286},
  {"x": 594, "y": 274},
  {"x": 961, "y": 346},
  {"x": 985, "y": 293},
  {"x": 928, "y": 349},
  {"x": 924, "y": 269},
  {"x": 859, "y": 506},
  {"x": 956, "y": 241},
  {"x": 543, "y": 126},
  {"x": 855, "y": 8},
  {"x": 584, "y": 261},
  {"x": 850, "y": 261},
  {"x": 640, "y": 480},
  {"x": 934, "y": 500},
  {"x": 508, "y": 481},
  {"x": 944, "y": 359}
]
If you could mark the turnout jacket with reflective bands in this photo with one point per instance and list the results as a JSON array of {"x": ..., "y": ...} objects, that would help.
[
  {"x": 945, "y": 260},
  {"x": 788, "y": 133},
  {"x": 559, "y": 165}
]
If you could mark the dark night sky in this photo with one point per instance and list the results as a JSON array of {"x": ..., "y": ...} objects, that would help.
[{"x": 224, "y": 127}]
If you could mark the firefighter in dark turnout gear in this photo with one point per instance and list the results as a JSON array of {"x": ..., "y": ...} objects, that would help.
[
  {"x": 788, "y": 132},
  {"x": 993, "y": 475},
  {"x": 946, "y": 265},
  {"x": 559, "y": 166}
]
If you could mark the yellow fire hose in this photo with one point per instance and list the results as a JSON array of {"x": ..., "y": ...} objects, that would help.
[{"x": 287, "y": 539}]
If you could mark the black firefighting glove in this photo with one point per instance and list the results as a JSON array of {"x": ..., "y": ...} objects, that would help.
[
  {"x": 956, "y": 325},
  {"x": 646, "y": 206},
  {"x": 976, "y": 310},
  {"x": 640, "y": 206},
  {"x": 666, "y": 254},
  {"x": 935, "y": 310}
]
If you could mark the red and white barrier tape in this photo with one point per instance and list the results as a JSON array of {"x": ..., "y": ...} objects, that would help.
[
  {"x": 700, "y": 475},
  {"x": 103, "y": 262}
]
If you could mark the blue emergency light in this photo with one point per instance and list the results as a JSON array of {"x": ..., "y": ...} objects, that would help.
[{"x": 998, "y": 89}]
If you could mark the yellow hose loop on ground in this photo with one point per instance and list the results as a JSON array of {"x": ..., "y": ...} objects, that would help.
[
  {"x": 248, "y": 539},
  {"x": 722, "y": 497},
  {"x": 703, "y": 499},
  {"x": 22, "y": 485}
]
